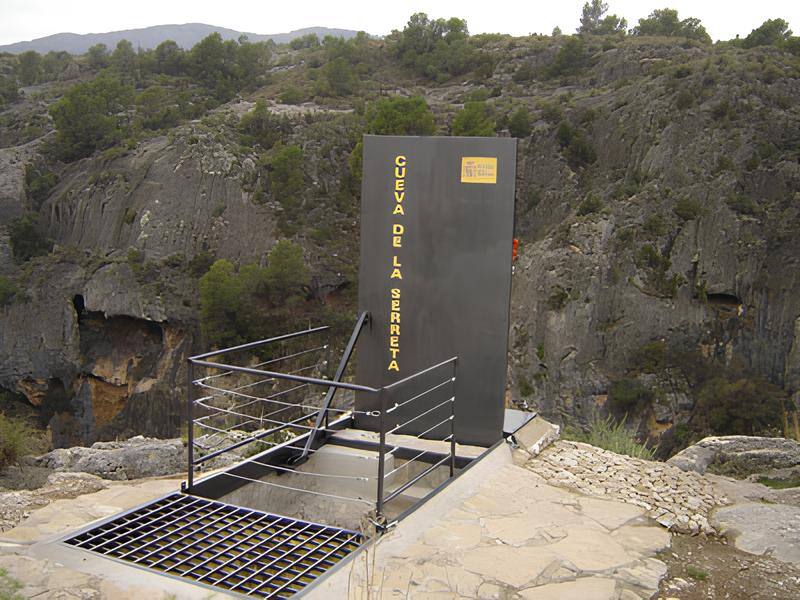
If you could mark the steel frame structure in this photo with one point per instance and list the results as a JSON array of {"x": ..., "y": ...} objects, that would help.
[
  {"x": 435, "y": 379},
  {"x": 195, "y": 536}
]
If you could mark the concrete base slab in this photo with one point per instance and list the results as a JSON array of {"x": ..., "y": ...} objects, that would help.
[{"x": 495, "y": 532}]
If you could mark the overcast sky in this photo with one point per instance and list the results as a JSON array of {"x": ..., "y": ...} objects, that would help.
[{"x": 28, "y": 19}]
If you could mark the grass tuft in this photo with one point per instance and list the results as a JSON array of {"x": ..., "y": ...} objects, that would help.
[
  {"x": 610, "y": 435},
  {"x": 15, "y": 440}
]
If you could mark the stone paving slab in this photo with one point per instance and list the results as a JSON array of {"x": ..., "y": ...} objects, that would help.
[
  {"x": 499, "y": 532},
  {"x": 496, "y": 532},
  {"x": 760, "y": 528}
]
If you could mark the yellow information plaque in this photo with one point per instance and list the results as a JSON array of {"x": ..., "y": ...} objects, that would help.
[{"x": 478, "y": 169}]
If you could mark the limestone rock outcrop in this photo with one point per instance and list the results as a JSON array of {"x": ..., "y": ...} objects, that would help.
[{"x": 132, "y": 459}]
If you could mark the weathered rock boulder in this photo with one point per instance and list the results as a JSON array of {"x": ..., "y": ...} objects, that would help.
[
  {"x": 760, "y": 528},
  {"x": 738, "y": 455},
  {"x": 132, "y": 459}
]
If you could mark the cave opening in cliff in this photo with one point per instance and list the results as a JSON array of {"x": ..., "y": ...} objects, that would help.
[
  {"x": 79, "y": 304},
  {"x": 724, "y": 300}
]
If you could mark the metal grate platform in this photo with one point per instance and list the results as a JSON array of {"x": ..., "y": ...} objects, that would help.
[{"x": 238, "y": 549}]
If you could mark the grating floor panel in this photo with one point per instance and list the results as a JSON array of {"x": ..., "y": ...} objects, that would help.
[{"x": 238, "y": 549}]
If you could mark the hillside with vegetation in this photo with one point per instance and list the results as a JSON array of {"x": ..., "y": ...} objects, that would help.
[{"x": 159, "y": 202}]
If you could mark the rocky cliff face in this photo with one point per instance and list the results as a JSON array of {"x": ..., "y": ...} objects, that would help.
[
  {"x": 657, "y": 201},
  {"x": 696, "y": 165}
]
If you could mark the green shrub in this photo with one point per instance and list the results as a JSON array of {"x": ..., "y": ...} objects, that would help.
[
  {"x": 524, "y": 73},
  {"x": 339, "y": 78},
  {"x": 665, "y": 22},
  {"x": 306, "y": 41},
  {"x": 656, "y": 267},
  {"x": 570, "y": 58},
  {"x": 682, "y": 71},
  {"x": 9, "y": 587},
  {"x": 655, "y": 225},
  {"x": 91, "y": 116},
  {"x": 291, "y": 95},
  {"x": 8, "y": 291},
  {"x": 400, "y": 116},
  {"x": 591, "y": 204},
  {"x": 742, "y": 204},
  {"x": 221, "y": 299},
  {"x": 38, "y": 184},
  {"x": 744, "y": 406},
  {"x": 286, "y": 183},
  {"x": 687, "y": 208},
  {"x": 436, "y": 49},
  {"x": 772, "y": 32},
  {"x": 238, "y": 305},
  {"x": 27, "y": 239},
  {"x": 628, "y": 396},
  {"x": 286, "y": 273},
  {"x": 200, "y": 263},
  {"x": 564, "y": 133},
  {"x": 578, "y": 149},
  {"x": 722, "y": 110},
  {"x": 475, "y": 119},
  {"x": 610, "y": 435},
  {"x": 724, "y": 163},
  {"x": 520, "y": 123},
  {"x": 684, "y": 99},
  {"x": 551, "y": 112},
  {"x": 558, "y": 298},
  {"x": 15, "y": 440},
  {"x": 649, "y": 257},
  {"x": 696, "y": 573},
  {"x": 780, "y": 484},
  {"x": 525, "y": 387},
  {"x": 9, "y": 90},
  {"x": 260, "y": 127},
  {"x": 652, "y": 357}
]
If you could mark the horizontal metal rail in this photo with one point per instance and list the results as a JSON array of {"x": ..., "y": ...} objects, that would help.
[
  {"x": 411, "y": 482},
  {"x": 404, "y": 405},
  {"x": 249, "y": 345},
  {"x": 420, "y": 415},
  {"x": 244, "y": 442},
  {"x": 316, "y": 381},
  {"x": 421, "y": 373},
  {"x": 385, "y": 428}
]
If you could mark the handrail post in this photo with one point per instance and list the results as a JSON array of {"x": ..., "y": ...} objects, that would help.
[
  {"x": 190, "y": 422},
  {"x": 381, "y": 452},
  {"x": 453, "y": 422},
  {"x": 326, "y": 404}
]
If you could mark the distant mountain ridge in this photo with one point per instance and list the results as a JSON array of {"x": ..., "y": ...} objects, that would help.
[{"x": 185, "y": 35}]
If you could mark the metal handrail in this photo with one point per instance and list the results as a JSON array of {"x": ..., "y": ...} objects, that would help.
[
  {"x": 393, "y": 390},
  {"x": 249, "y": 345},
  {"x": 385, "y": 429}
]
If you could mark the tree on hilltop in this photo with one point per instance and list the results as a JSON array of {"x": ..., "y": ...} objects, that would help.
[
  {"x": 772, "y": 32},
  {"x": 595, "y": 21},
  {"x": 665, "y": 22}
]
